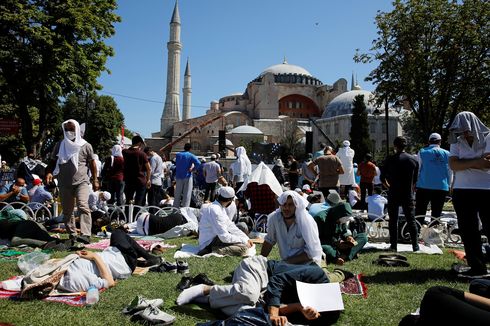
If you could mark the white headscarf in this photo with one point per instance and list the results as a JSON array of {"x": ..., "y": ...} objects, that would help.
[
  {"x": 306, "y": 224},
  {"x": 468, "y": 121},
  {"x": 243, "y": 161},
  {"x": 69, "y": 149},
  {"x": 117, "y": 150}
]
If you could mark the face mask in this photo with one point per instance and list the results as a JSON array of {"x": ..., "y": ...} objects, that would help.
[{"x": 71, "y": 135}]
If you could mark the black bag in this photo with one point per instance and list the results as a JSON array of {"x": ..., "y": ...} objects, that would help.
[{"x": 358, "y": 225}]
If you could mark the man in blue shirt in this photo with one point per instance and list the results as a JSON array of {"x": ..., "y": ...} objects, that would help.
[
  {"x": 16, "y": 192},
  {"x": 434, "y": 179},
  {"x": 185, "y": 163}
]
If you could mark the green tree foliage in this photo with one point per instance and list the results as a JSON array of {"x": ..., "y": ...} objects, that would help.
[
  {"x": 359, "y": 130},
  {"x": 104, "y": 120},
  {"x": 49, "y": 49},
  {"x": 434, "y": 54}
]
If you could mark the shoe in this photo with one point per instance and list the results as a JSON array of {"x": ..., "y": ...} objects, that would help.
[
  {"x": 140, "y": 303},
  {"x": 182, "y": 267},
  {"x": 153, "y": 316},
  {"x": 473, "y": 274},
  {"x": 150, "y": 262},
  {"x": 392, "y": 256},
  {"x": 347, "y": 274},
  {"x": 202, "y": 279},
  {"x": 184, "y": 283},
  {"x": 85, "y": 239},
  {"x": 165, "y": 267}
]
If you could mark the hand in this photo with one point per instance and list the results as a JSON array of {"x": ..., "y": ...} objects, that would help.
[
  {"x": 349, "y": 239},
  {"x": 95, "y": 184},
  {"x": 49, "y": 178},
  {"x": 279, "y": 320},
  {"x": 89, "y": 255},
  {"x": 250, "y": 244},
  {"x": 148, "y": 184},
  {"x": 483, "y": 163},
  {"x": 310, "y": 313},
  {"x": 15, "y": 190}
]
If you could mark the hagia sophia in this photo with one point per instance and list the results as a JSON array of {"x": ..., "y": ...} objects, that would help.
[{"x": 281, "y": 96}]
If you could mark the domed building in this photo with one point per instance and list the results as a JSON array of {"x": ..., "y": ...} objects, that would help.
[
  {"x": 336, "y": 120},
  {"x": 282, "y": 97}
]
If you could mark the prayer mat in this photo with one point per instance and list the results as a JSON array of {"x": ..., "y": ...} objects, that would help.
[
  {"x": 354, "y": 286},
  {"x": 146, "y": 244},
  {"x": 72, "y": 300}
]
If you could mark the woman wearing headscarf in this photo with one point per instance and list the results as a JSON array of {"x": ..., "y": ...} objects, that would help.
[
  {"x": 469, "y": 158},
  {"x": 293, "y": 229},
  {"x": 114, "y": 174},
  {"x": 278, "y": 169},
  {"x": 241, "y": 168}
]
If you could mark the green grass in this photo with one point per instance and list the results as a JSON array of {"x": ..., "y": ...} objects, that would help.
[{"x": 392, "y": 292}]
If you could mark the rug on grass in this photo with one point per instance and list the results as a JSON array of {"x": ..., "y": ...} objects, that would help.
[
  {"x": 354, "y": 286},
  {"x": 72, "y": 300},
  {"x": 188, "y": 250},
  {"x": 429, "y": 250},
  {"x": 103, "y": 244}
]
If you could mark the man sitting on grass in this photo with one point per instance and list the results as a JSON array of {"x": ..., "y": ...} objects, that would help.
[
  {"x": 217, "y": 233},
  {"x": 294, "y": 230},
  {"x": 273, "y": 281},
  {"x": 339, "y": 243}
]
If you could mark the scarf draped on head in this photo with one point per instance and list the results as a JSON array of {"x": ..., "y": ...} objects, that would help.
[
  {"x": 69, "y": 149},
  {"x": 117, "y": 150},
  {"x": 243, "y": 161},
  {"x": 468, "y": 121},
  {"x": 306, "y": 224}
]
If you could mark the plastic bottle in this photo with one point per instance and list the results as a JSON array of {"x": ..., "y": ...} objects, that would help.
[{"x": 92, "y": 295}]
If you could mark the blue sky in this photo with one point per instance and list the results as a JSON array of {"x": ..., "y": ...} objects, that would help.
[{"x": 229, "y": 43}]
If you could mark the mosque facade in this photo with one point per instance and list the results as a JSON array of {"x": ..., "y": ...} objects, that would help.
[{"x": 281, "y": 97}]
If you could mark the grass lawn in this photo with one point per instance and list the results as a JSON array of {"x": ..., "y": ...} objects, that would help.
[{"x": 392, "y": 292}]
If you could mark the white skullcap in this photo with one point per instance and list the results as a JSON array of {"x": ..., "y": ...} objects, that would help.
[
  {"x": 346, "y": 143},
  {"x": 107, "y": 195},
  {"x": 226, "y": 192}
]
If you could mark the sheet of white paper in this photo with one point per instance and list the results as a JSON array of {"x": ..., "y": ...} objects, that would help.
[{"x": 322, "y": 297}]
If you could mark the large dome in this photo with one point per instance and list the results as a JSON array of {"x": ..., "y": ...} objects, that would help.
[
  {"x": 342, "y": 104},
  {"x": 285, "y": 68},
  {"x": 250, "y": 130}
]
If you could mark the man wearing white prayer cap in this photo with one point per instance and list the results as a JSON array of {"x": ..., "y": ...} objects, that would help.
[{"x": 217, "y": 233}]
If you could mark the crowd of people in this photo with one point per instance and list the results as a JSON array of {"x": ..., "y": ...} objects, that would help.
[{"x": 308, "y": 231}]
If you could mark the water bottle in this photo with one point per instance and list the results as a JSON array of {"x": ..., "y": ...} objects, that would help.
[{"x": 92, "y": 295}]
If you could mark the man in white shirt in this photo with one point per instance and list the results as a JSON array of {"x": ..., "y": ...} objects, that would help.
[
  {"x": 293, "y": 229},
  {"x": 376, "y": 204},
  {"x": 217, "y": 233},
  {"x": 155, "y": 193},
  {"x": 469, "y": 158},
  {"x": 212, "y": 171}
]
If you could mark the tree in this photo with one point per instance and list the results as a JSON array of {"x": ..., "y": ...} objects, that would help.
[
  {"x": 359, "y": 130},
  {"x": 291, "y": 139},
  {"x": 433, "y": 55},
  {"x": 49, "y": 49},
  {"x": 104, "y": 121}
]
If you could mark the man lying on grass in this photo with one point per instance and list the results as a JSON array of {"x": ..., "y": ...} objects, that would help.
[
  {"x": 90, "y": 268},
  {"x": 257, "y": 280}
]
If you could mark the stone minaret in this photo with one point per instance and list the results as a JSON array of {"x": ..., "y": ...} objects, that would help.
[
  {"x": 187, "y": 91},
  {"x": 171, "y": 109}
]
